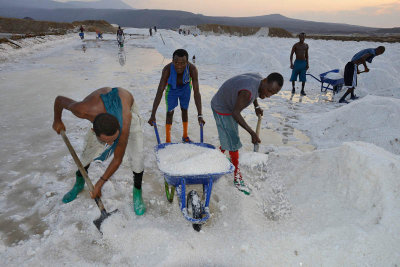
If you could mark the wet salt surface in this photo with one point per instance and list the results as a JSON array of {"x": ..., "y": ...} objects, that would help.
[{"x": 189, "y": 159}]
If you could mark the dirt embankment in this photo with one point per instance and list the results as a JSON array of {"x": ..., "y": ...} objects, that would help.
[
  {"x": 93, "y": 25},
  {"x": 282, "y": 33},
  {"x": 379, "y": 39},
  {"x": 26, "y": 28},
  {"x": 241, "y": 31}
]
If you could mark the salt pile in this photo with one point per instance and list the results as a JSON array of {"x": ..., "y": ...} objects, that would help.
[
  {"x": 334, "y": 76},
  {"x": 188, "y": 159},
  {"x": 253, "y": 159},
  {"x": 372, "y": 119}
]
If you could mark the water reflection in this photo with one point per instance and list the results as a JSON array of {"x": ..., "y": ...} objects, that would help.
[{"x": 121, "y": 56}]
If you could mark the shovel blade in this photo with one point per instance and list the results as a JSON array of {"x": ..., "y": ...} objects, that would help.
[
  {"x": 256, "y": 147},
  {"x": 104, "y": 215}
]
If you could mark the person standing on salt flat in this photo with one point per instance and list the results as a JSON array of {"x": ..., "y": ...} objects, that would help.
[
  {"x": 120, "y": 35},
  {"x": 178, "y": 77},
  {"x": 117, "y": 127},
  {"x": 232, "y": 97},
  {"x": 300, "y": 65},
  {"x": 351, "y": 70}
]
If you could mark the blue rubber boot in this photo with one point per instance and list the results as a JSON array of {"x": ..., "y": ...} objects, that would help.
[
  {"x": 78, "y": 187},
  {"x": 138, "y": 204}
]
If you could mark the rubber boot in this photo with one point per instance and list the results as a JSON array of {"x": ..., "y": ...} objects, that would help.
[
  {"x": 78, "y": 187},
  {"x": 138, "y": 204}
]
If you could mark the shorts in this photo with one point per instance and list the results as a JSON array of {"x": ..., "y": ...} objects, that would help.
[
  {"x": 182, "y": 93},
  {"x": 134, "y": 149},
  {"x": 299, "y": 69},
  {"x": 350, "y": 75},
  {"x": 228, "y": 132}
]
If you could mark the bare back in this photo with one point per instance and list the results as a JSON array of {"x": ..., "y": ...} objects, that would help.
[{"x": 93, "y": 105}]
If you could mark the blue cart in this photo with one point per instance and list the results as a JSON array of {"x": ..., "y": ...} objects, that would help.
[
  {"x": 332, "y": 84},
  {"x": 192, "y": 208}
]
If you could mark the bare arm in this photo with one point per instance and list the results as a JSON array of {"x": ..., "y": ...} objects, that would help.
[
  {"x": 241, "y": 103},
  {"x": 61, "y": 103},
  {"x": 362, "y": 60},
  {"x": 257, "y": 108},
  {"x": 306, "y": 55},
  {"x": 291, "y": 56},
  {"x": 160, "y": 91},
  {"x": 196, "y": 91}
]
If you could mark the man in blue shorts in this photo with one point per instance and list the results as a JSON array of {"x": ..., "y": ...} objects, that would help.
[
  {"x": 300, "y": 65},
  {"x": 233, "y": 96},
  {"x": 177, "y": 79},
  {"x": 351, "y": 69}
]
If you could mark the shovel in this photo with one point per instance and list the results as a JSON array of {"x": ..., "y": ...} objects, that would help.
[
  {"x": 104, "y": 213},
  {"x": 256, "y": 146}
]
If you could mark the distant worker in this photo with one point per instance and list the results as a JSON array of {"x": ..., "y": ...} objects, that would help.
[
  {"x": 81, "y": 34},
  {"x": 300, "y": 65},
  {"x": 99, "y": 34},
  {"x": 194, "y": 59},
  {"x": 155, "y": 29},
  {"x": 120, "y": 36},
  {"x": 150, "y": 31},
  {"x": 351, "y": 69}
]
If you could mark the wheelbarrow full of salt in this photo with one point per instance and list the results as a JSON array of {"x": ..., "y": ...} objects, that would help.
[{"x": 188, "y": 164}]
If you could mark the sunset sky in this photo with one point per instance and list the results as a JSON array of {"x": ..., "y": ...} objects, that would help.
[{"x": 375, "y": 13}]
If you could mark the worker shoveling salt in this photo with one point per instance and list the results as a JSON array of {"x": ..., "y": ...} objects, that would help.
[{"x": 189, "y": 159}]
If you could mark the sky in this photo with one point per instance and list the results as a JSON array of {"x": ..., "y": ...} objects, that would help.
[{"x": 373, "y": 13}]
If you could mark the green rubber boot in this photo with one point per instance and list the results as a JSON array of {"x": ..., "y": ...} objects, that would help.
[
  {"x": 78, "y": 187},
  {"x": 138, "y": 204}
]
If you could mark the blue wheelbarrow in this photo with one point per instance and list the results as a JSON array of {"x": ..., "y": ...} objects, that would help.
[
  {"x": 332, "y": 84},
  {"x": 192, "y": 208}
]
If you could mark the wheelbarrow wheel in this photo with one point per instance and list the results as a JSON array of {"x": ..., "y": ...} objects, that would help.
[{"x": 193, "y": 204}]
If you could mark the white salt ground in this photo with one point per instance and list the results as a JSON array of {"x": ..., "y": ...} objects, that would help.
[
  {"x": 253, "y": 159},
  {"x": 189, "y": 159}
]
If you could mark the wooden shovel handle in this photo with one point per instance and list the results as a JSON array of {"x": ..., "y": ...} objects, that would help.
[
  {"x": 81, "y": 168},
  {"x": 258, "y": 125}
]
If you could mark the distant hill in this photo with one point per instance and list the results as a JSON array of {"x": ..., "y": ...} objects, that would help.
[
  {"x": 26, "y": 26},
  {"x": 50, "y": 4},
  {"x": 143, "y": 18}
]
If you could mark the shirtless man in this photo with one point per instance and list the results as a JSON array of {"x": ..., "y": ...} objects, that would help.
[
  {"x": 178, "y": 78},
  {"x": 300, "y": 65},
  {"x": 117, "y": 123}
]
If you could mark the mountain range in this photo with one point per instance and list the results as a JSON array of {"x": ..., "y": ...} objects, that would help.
[{"x": 117, "y": 12}]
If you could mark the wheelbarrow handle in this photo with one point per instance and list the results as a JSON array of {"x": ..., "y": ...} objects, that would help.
[{"x": 156, "y": 131}]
